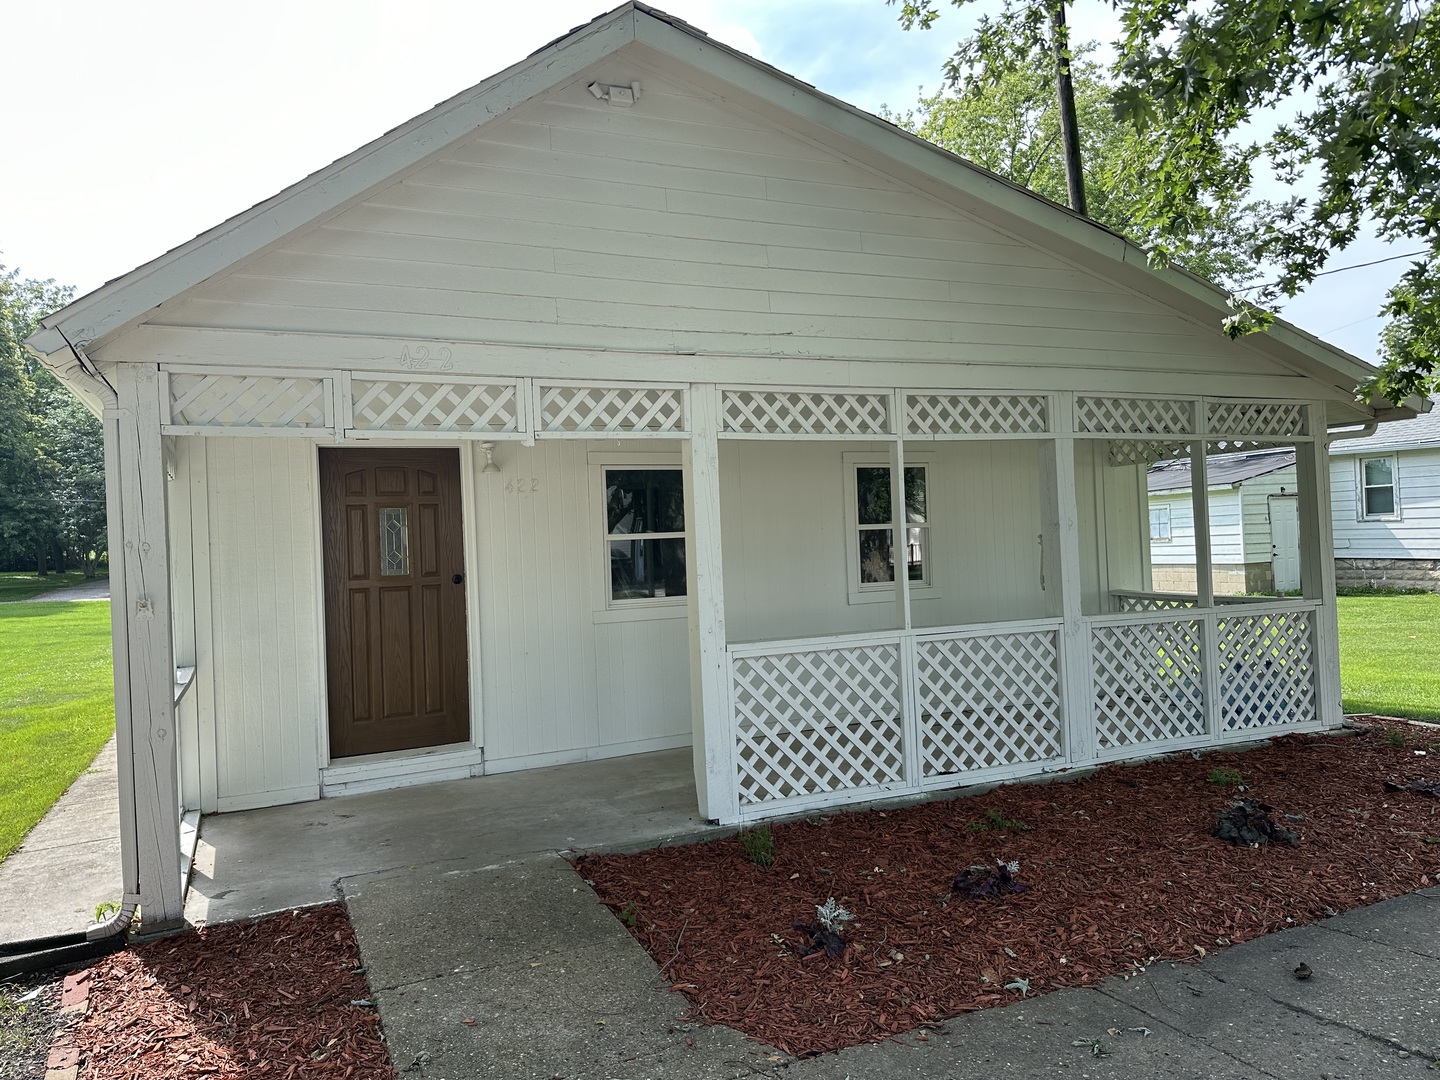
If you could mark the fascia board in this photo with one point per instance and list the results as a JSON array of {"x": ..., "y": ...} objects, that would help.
[{"x": 127, "y": 299}]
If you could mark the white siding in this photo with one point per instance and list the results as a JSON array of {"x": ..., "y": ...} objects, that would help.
[
  {"x": 263, "y": 647},
  {"x": 1255, "y": 511},
  {"x": 688, "y": 224},
  {"x": 1111, "y": 519},
  {"x": 1415, "y": 536},
  {"x": 1225, "y": 542}
]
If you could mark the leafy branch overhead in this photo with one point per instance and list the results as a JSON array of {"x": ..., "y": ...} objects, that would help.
[{"x": 1339, "y": 100}]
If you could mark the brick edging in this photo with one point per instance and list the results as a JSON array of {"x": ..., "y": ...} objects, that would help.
[{"x": 64, "y": 1060}]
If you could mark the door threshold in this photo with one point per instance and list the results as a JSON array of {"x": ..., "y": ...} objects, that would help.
[{"x": 401, "y": 768}]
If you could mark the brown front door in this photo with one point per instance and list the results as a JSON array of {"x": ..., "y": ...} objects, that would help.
[{"x": 394, "y": 599}]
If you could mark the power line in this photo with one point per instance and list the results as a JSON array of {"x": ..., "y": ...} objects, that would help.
[{"x": 1336, "y": 270}]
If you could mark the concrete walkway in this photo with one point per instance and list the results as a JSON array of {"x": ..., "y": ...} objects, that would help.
[
  {"x": 99, "y": 589},
  {"x": 70, "y": 862}
]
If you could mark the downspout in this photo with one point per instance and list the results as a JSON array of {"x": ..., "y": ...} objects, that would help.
[{"x": 108, "y": 935}]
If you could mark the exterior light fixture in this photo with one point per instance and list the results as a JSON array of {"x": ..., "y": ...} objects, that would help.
[{"x": 488, "y": 448}]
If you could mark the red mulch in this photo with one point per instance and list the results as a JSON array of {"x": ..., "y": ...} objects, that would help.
[
  {"x": 271, "y": 998},
  {"x": 1120, "y": 867}
]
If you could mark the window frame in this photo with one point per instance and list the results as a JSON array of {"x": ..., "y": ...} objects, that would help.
[
  {"x": 1361, "y": 488},
  {"x": 883, "y": 592},
  {"x": 1169, "y": 536},
  {"x": 640, "y": 606}
]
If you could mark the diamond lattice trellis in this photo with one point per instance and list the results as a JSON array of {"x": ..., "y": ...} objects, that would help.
[
  {"x": 1151, "y": 602},
  {"x": 796, "y": 412},
  {"x": 1267, "y": 670},
  {"x": 1134, "y": 416},
  {"x": 611, "y": 408},
  {"x": 975, "y": 414},
  {"x": 1147, "y": 683},
  {"x": 247, "y": 401},
  {"x": 1145, "y": 451},
  {"x": 817, "y": 721},
  {"x": 1253, "y": 419},
  {"x": 988, "y": 701},
  {"x": 413, "y": 405}
]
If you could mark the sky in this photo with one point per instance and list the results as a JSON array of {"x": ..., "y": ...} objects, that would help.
[{"x": 144, "y": 124}]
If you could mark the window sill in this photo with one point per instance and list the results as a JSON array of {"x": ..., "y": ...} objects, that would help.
[
  {"x": 642, "y": 613},
  {"x": 887, "y": 596}
]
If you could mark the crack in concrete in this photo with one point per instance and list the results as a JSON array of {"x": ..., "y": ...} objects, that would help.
[
  {"x": 1189, "y": 1037},
  {"x": 1417, "y": 1052},
  {"x": 1377, "y": 941}
]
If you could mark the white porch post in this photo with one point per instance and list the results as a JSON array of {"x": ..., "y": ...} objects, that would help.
[
  {"x": 145, "y": 665},
  {"x": 1075, "y": 675},
  {"x": 1317, "y": 561},
  {"x": 713, "y": 747},
  {"x": 1204, "y": 574}
]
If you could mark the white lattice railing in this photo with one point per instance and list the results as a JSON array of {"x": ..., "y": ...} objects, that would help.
[
  {"x": 202, "y": 401},
  {"x": 595, "y": 409},
  {"x": 802, "y": 412},
  {"x": 1139, "y": 600},
  {"x": 821, "y": 722},
  {"x": 425, "y": 406},
  {"x": 942, "y": 412}
]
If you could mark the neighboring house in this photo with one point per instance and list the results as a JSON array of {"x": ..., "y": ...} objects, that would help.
[
  {"x": 1385, "y": 494},
  {"x": 1254, "y": 524},
  {"x": 582, "y": 416}
]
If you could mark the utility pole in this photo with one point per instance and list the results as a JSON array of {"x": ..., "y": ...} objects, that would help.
[{"x": 1065, "y": 91}]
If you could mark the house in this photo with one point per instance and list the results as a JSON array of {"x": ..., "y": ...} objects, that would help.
[
  {"x": 585, "y": 415},
  {"x": 1385, "y": 492},
  {"x": 1254, "y": 524}
]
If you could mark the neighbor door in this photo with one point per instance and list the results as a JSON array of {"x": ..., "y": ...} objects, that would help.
[
  {"x": 1285, "y": 542},
  {"x": 394, "y": 599}
]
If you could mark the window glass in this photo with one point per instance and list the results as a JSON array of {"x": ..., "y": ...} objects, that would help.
[
  {"x": 1160, "y": 523},
  {"x": 876, "y": 526},
  {"x": 872, "y": 495},
  {"x": 644, "y": 530},
  {"x": 395, "y": 542},
  {"x": 1378, "y": 476},
  {"x": 647, "y": 569},
  {"x": 644, "y": 501}
]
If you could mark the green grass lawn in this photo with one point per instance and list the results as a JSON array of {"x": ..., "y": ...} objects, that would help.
[
  {"x": 1390, "y": 655},
  {"x": 22, "y": 586},
  {"x": 57, "y": 705}
]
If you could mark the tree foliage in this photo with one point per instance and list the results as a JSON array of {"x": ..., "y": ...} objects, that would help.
[
  {"x": 1339, "y": 99},
  {"x": 52, "y": 473}
]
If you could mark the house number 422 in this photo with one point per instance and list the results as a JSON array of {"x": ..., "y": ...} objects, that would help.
[{"x": 526, "y": 485}]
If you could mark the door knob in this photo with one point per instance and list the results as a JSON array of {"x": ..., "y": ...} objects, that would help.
[{"x": 457, "y": 579}]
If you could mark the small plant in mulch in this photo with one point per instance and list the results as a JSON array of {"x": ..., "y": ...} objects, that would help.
[
  {"x": 1225, "y": 777},
  {"x": 827, "y": 932},
  {"x": 988, "y": 882},
  {"x": 995, "y": 820},
  {"x": 759, "y": 845},
  {"x": 629, "y": 915},
  {"x": 1247, "y": 822},
  {"x": 1394, "y": 737}
]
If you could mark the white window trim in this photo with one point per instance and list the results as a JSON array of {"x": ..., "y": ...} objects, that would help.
[
  {"x": 1360, "y": 514},
  {"x": 884, "y": 593},
  {"x": 605, "y": 607},
  {"x": 1169, "y": 536}
]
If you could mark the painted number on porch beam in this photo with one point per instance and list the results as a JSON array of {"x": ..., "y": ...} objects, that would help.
[{"x": 526, "y": 485}]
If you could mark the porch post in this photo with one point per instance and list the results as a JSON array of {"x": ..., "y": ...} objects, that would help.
[
  {"x": 713, "y": 742},
  {"x": 1317, "y": 561},
  {"x": 145, "y": 667},
  {"x": 900, "y": 537},
  {"x": 1075, "y": 675}
]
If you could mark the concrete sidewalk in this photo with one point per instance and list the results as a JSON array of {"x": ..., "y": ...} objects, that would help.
[
  {"x": 516, "y": 970},
  {"x": 70, "y": 861}
]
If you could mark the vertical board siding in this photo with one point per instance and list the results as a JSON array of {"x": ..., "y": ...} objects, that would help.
[
  {"x": 1416, "y": 535},
  {"x": 263, "y": 641},
  {"x": 687, "y": 224}
]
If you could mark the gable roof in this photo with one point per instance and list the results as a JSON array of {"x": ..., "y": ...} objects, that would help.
[
  {"x": 1222, "y": 470},
  {"x": 127, "y": 301},
  {"x": 1419, "y": 433}
]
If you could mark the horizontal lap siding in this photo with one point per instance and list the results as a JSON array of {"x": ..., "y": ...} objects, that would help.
[
  {"x": 1225, "y": 544},
  {"x": 1255, "y": 512},
  {"x": 1415, "y": 536},
  {"x": 683, "y": 224}
]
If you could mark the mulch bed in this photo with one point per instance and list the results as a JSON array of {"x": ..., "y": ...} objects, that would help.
[
  {"x": 1120, "y": 871},
  {"x": 283, "y": 996}
]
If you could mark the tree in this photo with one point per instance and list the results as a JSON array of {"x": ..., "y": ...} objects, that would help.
[
  {"x": 1209, "y": 87},
  {"x": 1010, "y": 124}
]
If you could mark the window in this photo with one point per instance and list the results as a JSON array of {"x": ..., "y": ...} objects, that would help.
[
  {"x": 645, "y": 533},
  {"x": 874, "y": 525},
  {"x": 1378, "y": 497},
  {"x": 1160, "y": 524}
]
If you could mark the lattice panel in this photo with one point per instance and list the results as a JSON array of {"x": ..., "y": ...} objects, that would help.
[
  {"x": 811, "y": 722},
  {"x": 413, "y": 405},
  {"x": 1267, "y": 670},
  {"x": 975, "y": 414},
  {"x": 1147, "y": 683},
  {"x": 1249, "y": 418},
  {"x": 1134, "y": 416},
  {"x": 246, "y": 401},
  {"x": 988, "y": 701},
  {"x": 1145, "y": 451},
  {"x": 1148, "y": 602},
  {"x": 612, "y": 408},
  {"x": 799, "y": 412}
]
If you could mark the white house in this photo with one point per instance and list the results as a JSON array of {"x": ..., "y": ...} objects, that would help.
[
  {"x": 571, "y": 419},
  {"x": 1386, "y": 506},
  {"x": 1254, "y": 524}
]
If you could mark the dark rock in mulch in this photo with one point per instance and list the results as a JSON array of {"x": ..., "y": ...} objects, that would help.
[
  {"x": 987, "y": 882},
  {"x": 1419, "y": 787},
  {"x": 1249, "y": 822}
]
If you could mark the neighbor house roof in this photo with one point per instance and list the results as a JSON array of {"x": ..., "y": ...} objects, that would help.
[
  {"x": 126, "y": 301},
  {"x": 1222, "y": 470},
  {"x": 1416, "y": 434}
]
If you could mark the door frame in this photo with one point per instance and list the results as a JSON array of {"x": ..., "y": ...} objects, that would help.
[{"x": 469, "y": 543}]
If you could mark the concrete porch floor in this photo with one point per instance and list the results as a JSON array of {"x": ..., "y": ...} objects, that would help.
[{"x": 257, "y": 861}]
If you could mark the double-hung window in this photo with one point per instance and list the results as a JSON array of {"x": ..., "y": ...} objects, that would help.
[
  {"x": 1378, "y": 498},
  {"x": 645, "y": 534},
  {"x": 872, "y": 523},
  {"x": 1159, "y": 524}
]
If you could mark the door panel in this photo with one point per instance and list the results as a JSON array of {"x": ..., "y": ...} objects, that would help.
[
  {"x": 1285, "y": 542},
  {"x": 395, "y": 618}
]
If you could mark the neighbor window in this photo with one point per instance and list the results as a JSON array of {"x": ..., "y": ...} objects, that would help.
[
  {"x": 1377, "y": 488},
  {"x": 875, "y": 527},
  {"x": 1159, "y": 524},
  {"x": 645, "y": 533}
]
